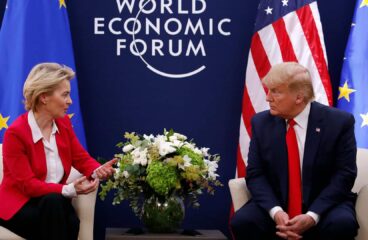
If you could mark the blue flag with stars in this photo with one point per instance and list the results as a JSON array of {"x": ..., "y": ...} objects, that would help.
[
  {"x": 353, "y": 89},
  {"x": 33, "y": 31}
]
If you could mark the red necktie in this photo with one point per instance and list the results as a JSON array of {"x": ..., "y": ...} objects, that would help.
[{"x": 295, "y": 193}]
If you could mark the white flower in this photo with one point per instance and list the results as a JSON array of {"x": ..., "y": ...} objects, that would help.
[
  {"x": 140, "y": 156},
  {"x": 148, "y": 137},
  {"x": 117, "y": 172},
  {"x": 177, "y": 143},
  {"x": 212, "y": 168},
  {"x": 196, "y": 150},
  {"x": 173, "y": 138},
  {"x": 163, "y": 146},
  {"x": 204, "y": 151},
  {"x": 128, "y": 148},
  {"x": 187, "y": 162},
  {"x": 126, "y": 174},
  {"x": 180, "y": 136}
]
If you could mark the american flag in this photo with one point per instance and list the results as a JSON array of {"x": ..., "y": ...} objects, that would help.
[{"x": 285, "y": 30}]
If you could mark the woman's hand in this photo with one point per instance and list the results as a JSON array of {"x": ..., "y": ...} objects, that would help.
[
  {"x": 84, "y": 186},
  {"x": 106, "y": 170}
]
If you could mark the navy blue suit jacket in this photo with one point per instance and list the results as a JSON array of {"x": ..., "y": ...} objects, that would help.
[{"x": 329, "y": 164}]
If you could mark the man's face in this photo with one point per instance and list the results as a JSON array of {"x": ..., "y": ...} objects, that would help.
[{"x": 282, "y": 101}]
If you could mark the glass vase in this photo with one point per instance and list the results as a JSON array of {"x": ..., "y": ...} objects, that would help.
[{"x": 163, "y": 214}]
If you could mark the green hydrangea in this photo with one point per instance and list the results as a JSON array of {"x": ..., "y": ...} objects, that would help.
[
  {"x": 197, "y": 159},
  {"x": 162, "y": 178}
]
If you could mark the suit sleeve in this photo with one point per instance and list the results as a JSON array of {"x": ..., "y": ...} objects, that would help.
[
  {"x": 257, "y": 181},
  {"x": 344, "y": 172},
  {"x": 81, "y": 160},
  {"x": 18, "y": 164}
]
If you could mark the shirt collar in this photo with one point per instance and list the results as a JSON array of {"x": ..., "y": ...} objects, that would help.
[
  {"x": 302, "y": 118},
  {"x": 35, "y": 129}
]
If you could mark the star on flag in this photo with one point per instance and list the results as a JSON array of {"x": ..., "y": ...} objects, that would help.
[
  {"x": 3, "y": 122},
  {"x": 345, "y": 91},
  {"x": 62, "y": 3}
]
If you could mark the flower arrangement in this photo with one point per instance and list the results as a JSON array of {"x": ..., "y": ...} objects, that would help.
[{"x": 162, "y": 165}]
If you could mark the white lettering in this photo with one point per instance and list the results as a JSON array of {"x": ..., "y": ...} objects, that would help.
[
  {"x": 136, "y": 25},
  {"x": 178, "y": 23},
  {"x": 157, "y": 46},
  {"x": 166, "y": 6},
  {"x": 112, "y": 30},
  {"x": 193, "y": 29},
  {"x": 180, "y": 48},
  {"x": 122, "y": 3},
  {"x": 120, "y": 43},
  {"x": 220, "y": 26},
  {"x": 98, "y": 24},
  {"x": 134, "y": 47},
  {"x": 200, "y": 47},
  {"x": 180, "y": 8},
  {"x": 195, "y": 10},
  {"x": 145, "y": 3}
]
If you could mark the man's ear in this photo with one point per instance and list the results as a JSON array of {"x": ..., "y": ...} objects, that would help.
[{"x": 299, "y": 98}]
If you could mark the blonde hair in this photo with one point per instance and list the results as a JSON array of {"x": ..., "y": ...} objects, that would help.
[
  {"x": 294, "y": 75},
  {"x": 44, "y": 78}
]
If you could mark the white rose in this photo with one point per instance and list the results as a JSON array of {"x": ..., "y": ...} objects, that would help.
[
  {"x": 128, "y": 148},
  {"x": 205, "y": 151},
  {"x": 180, "y": 136},
  {"x": 126, "y": 174}
]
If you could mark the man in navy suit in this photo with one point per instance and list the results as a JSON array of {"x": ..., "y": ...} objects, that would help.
[{"x": 318, "y": 184}]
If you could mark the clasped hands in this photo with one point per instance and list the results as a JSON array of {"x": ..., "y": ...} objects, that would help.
[
  {"x": 83, "y": 185},
  {"x": 292, "y": 228}
]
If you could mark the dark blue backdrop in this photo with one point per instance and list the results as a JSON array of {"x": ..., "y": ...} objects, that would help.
[{"x": 118, "y": 93}]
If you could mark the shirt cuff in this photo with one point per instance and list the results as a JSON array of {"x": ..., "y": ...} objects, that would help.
[
  {"x": 274, "y": 210},
  {"x": 315, "y": 216},
  {"x": 68, "y": 191},
  {"x": 94, "y": 175}
]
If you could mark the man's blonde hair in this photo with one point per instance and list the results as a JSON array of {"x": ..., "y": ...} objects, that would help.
[
  {"x": 294, "y": 75},
  {"x": 44, "y": 78}
]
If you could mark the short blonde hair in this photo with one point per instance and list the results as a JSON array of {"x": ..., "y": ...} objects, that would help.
[
  {"x": 44, "y": 79},
  {"x": 294, "y": 75}
]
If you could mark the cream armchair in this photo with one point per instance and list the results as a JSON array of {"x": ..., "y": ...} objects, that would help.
[
  {"x": 240, "y": 194},
  {"x": 83, "y": 204}
]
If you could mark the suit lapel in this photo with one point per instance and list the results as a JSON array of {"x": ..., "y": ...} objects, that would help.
[
  {"x": 63, "y": 153},
  {"x": 311, "y": 147},
  {"x": 280, "y": 143}
]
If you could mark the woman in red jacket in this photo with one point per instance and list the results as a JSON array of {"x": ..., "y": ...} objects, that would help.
[{"x": 39, "y": 149}]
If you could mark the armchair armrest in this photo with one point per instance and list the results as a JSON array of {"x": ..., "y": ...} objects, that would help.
[
  {"x": 361, "y": 209},
  {"x": 239, "y": 192},
  {"x": 84, "y": 206}
]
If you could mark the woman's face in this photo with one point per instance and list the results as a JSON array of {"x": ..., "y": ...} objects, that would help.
[{"x": 58, "y": 102}]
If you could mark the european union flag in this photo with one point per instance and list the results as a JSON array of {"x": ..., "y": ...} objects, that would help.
[
  {"x": 353, "y": 89},
  {"x": 33, "y": 31}
]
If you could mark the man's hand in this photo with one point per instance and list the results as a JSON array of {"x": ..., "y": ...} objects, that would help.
[
  {"x": 298, "y": 225},
  {"x": 83, "y": 186},
  {"x": 282, "y": 219},
  {"x": 106, "y": 170}
]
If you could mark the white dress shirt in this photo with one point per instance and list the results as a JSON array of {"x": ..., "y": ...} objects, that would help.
[
  {"x": 300, "y": 128},
  {"x": 55, "y": 169}
]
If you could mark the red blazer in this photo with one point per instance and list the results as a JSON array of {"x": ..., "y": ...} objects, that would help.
[{"x": 25, "y": 164}]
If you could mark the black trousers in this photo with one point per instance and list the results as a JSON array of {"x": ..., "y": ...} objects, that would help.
[
  {"x": 253, "y": 223},
  {"x": 50, "y": 217}
]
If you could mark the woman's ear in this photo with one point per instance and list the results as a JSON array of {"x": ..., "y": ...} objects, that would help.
[{"x": 43, "y": 98}]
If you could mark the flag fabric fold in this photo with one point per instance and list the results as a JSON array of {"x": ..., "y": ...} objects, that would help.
[
  {"x": 285, "y": 30},
  {"x": 33, "y": 32},
  {"x": 354, "y": 76}
]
